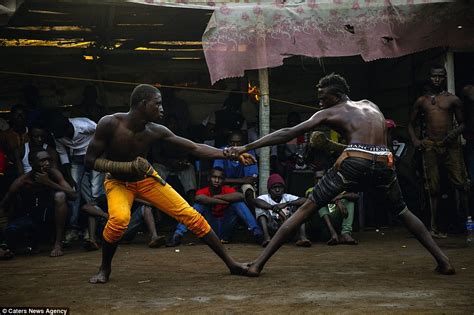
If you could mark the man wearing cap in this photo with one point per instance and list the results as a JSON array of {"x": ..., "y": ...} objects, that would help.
[{"x": 274, "y": 208}]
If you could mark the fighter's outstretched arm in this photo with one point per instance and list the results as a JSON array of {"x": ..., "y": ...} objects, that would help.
[
  {"x": 286, "y": 134},
  {"x": 199, "y": 149}
]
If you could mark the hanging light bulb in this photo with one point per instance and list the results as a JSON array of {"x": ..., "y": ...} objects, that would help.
[{"x": 254, "y": 93}]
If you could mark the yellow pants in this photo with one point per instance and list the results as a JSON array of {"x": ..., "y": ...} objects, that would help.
[{"x": 120, "y": 196}]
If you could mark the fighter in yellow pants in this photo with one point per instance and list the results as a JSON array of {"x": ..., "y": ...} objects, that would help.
[{"x": 120, "y": 143}]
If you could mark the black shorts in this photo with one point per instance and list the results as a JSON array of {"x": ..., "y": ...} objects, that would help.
[{"x": 358, "y": 174}]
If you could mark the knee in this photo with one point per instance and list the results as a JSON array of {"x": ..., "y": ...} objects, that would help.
[
  {"x": 120, "y": 222},
  {"x": 60, "y": 198},
  {"x": 115, "y": 228}
]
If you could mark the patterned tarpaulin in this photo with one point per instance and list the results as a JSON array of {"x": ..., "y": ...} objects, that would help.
[{"x": 243, "y": 37}]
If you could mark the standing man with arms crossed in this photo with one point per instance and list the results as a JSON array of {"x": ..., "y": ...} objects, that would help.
[
  {"x": 120, "y": 143},
  {"x": 441, "y": 145},
  {"x": 365, "y": 163}
]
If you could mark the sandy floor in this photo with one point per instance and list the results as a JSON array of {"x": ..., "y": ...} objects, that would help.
[{"x": 385, "y": 273}]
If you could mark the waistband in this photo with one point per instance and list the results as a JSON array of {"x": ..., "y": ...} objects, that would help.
[
  {"x": 386, "y": 158},
  {"x": 368, "y": 148}
]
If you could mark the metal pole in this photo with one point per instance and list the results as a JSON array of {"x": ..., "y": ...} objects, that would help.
[
  {"x": 449, "y": 64},
  {"x": 264, "y": 123}
]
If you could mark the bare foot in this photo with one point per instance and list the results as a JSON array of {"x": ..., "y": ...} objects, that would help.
[
  {"x": 101, "y": 277},
  {"x": 57, "y": 251},
  {"x": 253, "y": 270},
  {"x": 239, "y": 269},
  {"x": 348, "y": 240},
  {"x": 90, "y": 245},
  {"x": 445, "y": 269},
  {"x": 157, "y": 241},
  {"x": 5, "y": 254},
  {"x": 334, "y": 240},
  {"x": 303, "y": 243}
]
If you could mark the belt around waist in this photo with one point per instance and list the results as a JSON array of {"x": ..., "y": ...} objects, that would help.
[{"x": 388, "y": 158}]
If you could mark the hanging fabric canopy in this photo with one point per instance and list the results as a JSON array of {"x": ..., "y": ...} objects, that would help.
[{"x": 243, "y": 37}]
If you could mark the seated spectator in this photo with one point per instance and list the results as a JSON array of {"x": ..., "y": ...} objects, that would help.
[
  {"x": 72, "y": 137},
  {"x": 98, "y": 216},
  {"x": 276, "y": 207},
  {"x": 169, "y": 159},
  {"x": 339, "y": 213},
  {"x": 37, "y": 137},
  {"x": 36, "y": 200},
  {"x": 239, "y": 176},
  {"x": 11, "y": 140},
  {"x": 220, "y": 205}
]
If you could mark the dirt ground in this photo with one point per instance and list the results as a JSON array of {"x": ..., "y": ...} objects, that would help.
[{"x": 387, "y": 272}]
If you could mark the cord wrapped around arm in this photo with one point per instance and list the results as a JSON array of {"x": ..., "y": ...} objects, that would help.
[
  {"x": 138, "y": 167},
  {"x": 319, "y": 141}
]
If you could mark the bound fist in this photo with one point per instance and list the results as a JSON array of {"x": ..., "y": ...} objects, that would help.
[
  {"x": 318, "y": 140},
  {"x": 142, "y": 167},
  {"x": 247, "y": 159},
  {"x": 239, "y": 154}
]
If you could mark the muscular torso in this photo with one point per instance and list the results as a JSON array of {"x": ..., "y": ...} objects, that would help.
[
  {"x": 438, "y": 116},
  {"x": 358, "y": 122},
  {"x": 125, "y": 144}
]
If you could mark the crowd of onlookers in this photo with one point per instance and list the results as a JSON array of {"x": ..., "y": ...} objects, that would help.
[{"x": 49, "y": 195}]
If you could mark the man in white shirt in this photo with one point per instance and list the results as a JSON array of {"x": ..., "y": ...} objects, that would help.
[
  {"x": 72, "y": 137},
  {"x": 274, "y": 208}
]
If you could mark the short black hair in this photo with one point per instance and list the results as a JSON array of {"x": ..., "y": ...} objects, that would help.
[
  {"x": 142, "y": 92},
  {"x": 438, "y": 66},
  {"x": 335, "y": 83},
  {"x": 218, "y": 168},
  {"x": 33, "y": 154}
]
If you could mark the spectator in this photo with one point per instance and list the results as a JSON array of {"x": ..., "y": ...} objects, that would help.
[
  {"x": 35, "y": 200},
  {"x": 276, "y": 207},
  {"x": 339, "y": 213},
  {"x": 98, "y": 215},
  {"x": 37, "y": 136},
  {"x": 237, "y": 175},
  {"x": 11, "y": 140},
  {"x": 72, "y": 138},
  {"x": 220, "y": 205},
  {"x": 441, "y": 146}
]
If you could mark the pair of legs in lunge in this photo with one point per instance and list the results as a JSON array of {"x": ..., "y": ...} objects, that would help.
[
  {"x": 355, "y": 174},
  {"x": 120, "y": 196}
]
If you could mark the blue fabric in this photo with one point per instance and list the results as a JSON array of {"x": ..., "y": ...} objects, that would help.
[
  {"x": 233, "y": 169},
  {"x": 223, "y": 226}
]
